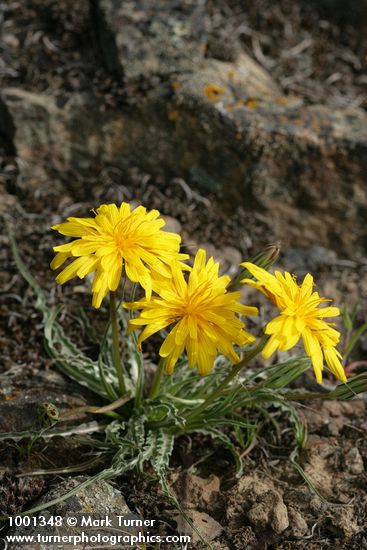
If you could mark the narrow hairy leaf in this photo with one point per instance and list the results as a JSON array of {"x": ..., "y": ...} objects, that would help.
[{"x": 90, "y": 427}]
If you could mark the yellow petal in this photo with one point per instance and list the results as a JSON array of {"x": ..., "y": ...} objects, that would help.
[
  {"x": 318, "y": 365},
  {"x": 169, "y": 343},
  {"x": 270, "y": 347},
  {"x": 332, "y": 361},
  {"x": 311, "y": 343},
  {"x": 71, "y": 270},
  {"x": 59, "y": 259}
]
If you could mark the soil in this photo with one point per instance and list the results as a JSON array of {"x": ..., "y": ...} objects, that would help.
[{"x": 51, "y": 46}]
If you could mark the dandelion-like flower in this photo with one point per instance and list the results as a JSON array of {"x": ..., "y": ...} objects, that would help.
[
  {"x": 203, "y": 313},
  {"x": 117, "y": 239},
  {"x": 300, "y": 316}
]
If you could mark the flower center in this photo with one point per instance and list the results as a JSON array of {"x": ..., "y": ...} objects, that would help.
[
  {"x": 123, "y": 240},
  {"x": 195, "y": 303}
]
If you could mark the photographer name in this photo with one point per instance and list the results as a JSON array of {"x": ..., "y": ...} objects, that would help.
[{"x": 123, "y": 521}]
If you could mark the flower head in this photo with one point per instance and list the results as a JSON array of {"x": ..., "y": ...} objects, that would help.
[
  {"x": 117, "y": 239},
  {"x": 300, "y": 316},
  {"x": 202, "y": 312}
]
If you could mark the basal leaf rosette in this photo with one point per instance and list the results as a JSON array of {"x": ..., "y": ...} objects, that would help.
[
  {"x": 300, "y": 317},
  {"x": 117, "y": 239},
  {"x": 203, "y": 314}
]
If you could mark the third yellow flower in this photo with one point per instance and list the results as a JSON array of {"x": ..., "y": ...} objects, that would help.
[{"x": 300, "y": 316}]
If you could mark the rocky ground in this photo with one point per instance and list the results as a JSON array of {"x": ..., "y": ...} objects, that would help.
[{"x": 243, "y": 127}]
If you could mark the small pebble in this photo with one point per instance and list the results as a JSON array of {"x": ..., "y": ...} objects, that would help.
[{"x": 354, "y": 461}]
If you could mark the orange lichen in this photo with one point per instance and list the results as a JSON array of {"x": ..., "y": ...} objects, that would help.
[
  {"x": 213, "y": 92},
  {"x": 251, "y": 103},
  {"x": 172, "y": 115},
  {"x": 176, "y": 85}
]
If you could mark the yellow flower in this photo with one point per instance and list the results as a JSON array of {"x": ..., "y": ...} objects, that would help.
[
  {"x": 202, "y": 311},
  {"x": 114, "y": 239},
  {"x": 299, "y": 316}
]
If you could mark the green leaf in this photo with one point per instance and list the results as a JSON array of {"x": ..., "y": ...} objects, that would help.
[
  {"x": 354, "y": 386},
  {"x": 347, "y": 320},
  {"x": 161, "y": 413},
  {"x": 90, "y": 427},
  {"x": 299, "y": 427},
  {"x": 280, "y": 375},
  {"x": 354, "y": 339},
  {"x": 82, "y": 467},
  {"x": 163, "y": 447},
  {"x": 69, "y": 359},
  {"x": 293, "y": 460}
]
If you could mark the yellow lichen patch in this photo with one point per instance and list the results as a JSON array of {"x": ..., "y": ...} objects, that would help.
[
  {"x": 172, "y": 115},
  {"x": 176, "y": 85},
  {"x": 88, "y": 509},
  {"x": 213, "y": 92},
  {"x": 10, "y": 397},
  {"x": 251, "y": 103}
]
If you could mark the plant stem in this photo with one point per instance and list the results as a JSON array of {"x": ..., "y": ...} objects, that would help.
[
  {"x": 236, "y": 369},
  {"x": 157, "y": 379},
  {"x": 139, "y": 382},
  {"x": 115, "y": 344},
  {"x": 139, "y": 389}
]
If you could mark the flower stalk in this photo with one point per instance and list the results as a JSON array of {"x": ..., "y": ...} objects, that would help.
[
  {"x": 264, "y": 259},
  {"x": 230, "y": 376},
  {"x": 116, "y": 355},
  {"x": 157, "y": 379}
]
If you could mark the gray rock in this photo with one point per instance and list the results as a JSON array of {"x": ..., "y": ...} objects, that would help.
[
  {"x": 99, "y": 498},
  {"x": 95, "y": 501},
  {"x": 172, "y": 224},
  {"x": 314, "y": 258},
  {"x": 222, "y": 125},
  {"x": 153, "y": 36},
  {"x": 22, "y": 397}
]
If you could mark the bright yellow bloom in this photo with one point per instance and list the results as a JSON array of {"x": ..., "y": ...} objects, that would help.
[
  {"x": 299, "y": 316},
  {"x": 114, "y": 239},
  {"x": 203, "y": 313}
]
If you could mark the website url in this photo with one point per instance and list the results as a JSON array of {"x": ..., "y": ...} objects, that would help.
[{"x": 97, "y": 539}]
